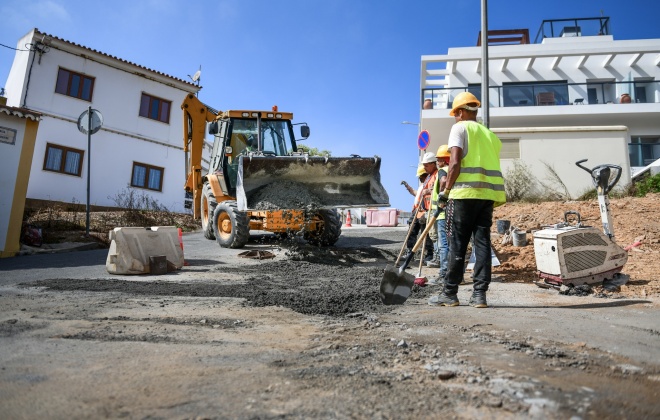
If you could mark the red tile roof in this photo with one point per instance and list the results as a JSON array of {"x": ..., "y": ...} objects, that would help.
[
  {"x": 38, "y": 32},
  {"x": 20, "y": 112}
]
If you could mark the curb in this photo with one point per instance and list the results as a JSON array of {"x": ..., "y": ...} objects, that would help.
[{"x": 58, "y": 248}]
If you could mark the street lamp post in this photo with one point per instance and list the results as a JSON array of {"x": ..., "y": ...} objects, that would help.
[
  {"x": 412, "y": 123},
  {"x": 419, "y": 130}
]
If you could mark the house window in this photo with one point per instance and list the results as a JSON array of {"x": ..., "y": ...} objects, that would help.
[
  {"x": 155, "y": 108},
  {"x": 510, "y": 149},
  {"x": 147, "y": 176},
  {"x": 475, "y": 89},
  {"x": 535, "y": 93},
  {"x": 644, "y": 89},
  {"x": 74, "y": 84},
  {"x": 643, "y": 150},
  {"x": 63, "y": 159}
]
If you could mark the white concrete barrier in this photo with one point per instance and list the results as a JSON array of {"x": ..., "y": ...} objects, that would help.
[{"x": 131, "y": 248}]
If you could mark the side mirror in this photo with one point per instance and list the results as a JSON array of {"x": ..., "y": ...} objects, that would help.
[
  {"x": 304, "y": 131},
  {"x": 213, "y": 127}
]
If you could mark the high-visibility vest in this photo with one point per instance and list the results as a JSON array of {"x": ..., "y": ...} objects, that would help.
[
  {"x": 436, "y": 193},
  {"x": 423, "y": 202},
  {"x": 480, "y": 176},
  {"x": 430, "y": 181}
]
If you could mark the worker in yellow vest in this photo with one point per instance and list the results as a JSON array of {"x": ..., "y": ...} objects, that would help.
[
  {"x": 474, "y": 187},
  {"x": 441, "y": 245}
]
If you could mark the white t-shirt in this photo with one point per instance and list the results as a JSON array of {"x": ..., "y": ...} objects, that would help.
[{"x": 458, "y": 138}]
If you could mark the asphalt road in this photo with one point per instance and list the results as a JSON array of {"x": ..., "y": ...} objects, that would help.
[
  {"x": 630, "y": 327},
  {"x": 227, "y": 337}
]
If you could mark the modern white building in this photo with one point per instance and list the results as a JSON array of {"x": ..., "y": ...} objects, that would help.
[
  {"x": 574, "y": 79},
  {"x": 140, "y": 144}
]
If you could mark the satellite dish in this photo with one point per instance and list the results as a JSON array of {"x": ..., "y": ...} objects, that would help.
[{"x": 195, "y": 77}]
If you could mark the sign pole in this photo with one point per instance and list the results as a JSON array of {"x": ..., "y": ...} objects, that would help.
[
  {"x": 485, "y": 93},
  {"x": 89, "y": 162},
  {"x": 91, "y": 128}
]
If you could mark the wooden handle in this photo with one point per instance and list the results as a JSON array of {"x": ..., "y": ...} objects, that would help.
[
  {"x": 406, "y": 240},
  {"x": 429, "y": 223}
]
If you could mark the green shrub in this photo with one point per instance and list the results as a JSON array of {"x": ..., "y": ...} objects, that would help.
[
  {"x": 519, "y": 183},
  {"x": 650, "y": 184}
]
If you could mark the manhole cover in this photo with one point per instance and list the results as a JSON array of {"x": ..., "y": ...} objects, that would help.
[{"x": 257, "y": 255}]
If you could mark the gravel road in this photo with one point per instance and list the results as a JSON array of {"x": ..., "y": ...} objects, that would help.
[{"x": 304, "y": 335}]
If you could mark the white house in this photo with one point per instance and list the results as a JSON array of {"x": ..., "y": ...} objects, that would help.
[
  {"x": 572, "y": 93},
  {"x": 140, "y": 143}
]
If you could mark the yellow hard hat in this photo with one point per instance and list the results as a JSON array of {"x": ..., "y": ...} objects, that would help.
[
  {"x": 420, "y": 170},
  {"x": 443, "y": 151},
  {"x": 461, "y": 100}
]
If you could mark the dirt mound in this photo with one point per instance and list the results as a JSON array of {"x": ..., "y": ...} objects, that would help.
[{"x": 635, "y": 220}]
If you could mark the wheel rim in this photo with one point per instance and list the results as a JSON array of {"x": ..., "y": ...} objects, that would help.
[
  {"x": 321, "y": 227},
  {"x": 224, "y": 225}
]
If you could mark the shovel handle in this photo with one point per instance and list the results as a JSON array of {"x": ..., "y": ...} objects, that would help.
[
  {"x": 406, "y": 240},
  {"x": 421, "y": 260},
  {"x": 429, "y": 223}
]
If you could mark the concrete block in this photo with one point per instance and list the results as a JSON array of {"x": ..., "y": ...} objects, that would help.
[{"x": 132, "y": 247}]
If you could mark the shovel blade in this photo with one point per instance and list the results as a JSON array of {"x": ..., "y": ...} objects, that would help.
[{"x": 396, "y": 286}]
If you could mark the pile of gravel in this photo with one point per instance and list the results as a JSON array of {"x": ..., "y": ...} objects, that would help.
[{"x": 280, "y": 195}]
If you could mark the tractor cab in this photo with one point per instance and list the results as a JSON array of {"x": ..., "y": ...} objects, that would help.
[{"x": 250, "y": 134}]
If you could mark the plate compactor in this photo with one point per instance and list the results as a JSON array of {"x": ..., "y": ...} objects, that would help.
[{"x": 573, "y": 254}]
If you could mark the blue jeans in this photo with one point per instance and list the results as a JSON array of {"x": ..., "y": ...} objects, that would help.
[{"x": 443, "y": 246}]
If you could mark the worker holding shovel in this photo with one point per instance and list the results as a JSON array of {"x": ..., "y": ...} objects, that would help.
[
  {"x": 426, "y": 173},
  {"x": 442, "y": 246},
  {"x": 474, "y": 187}
]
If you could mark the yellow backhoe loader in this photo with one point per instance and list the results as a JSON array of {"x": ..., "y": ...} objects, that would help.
[{"x": 258, "y": 179}]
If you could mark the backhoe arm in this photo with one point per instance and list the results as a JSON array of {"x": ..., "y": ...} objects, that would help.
[{"x": 195, "y": 116}]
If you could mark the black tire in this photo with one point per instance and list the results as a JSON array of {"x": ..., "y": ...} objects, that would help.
[
  {"x": 208, "y": 208},
  {"x": 329, "y": 228},
  {"x": 230, "y": 226}
]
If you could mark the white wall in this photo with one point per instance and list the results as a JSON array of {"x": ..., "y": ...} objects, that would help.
[
  {"x": 561, "y": 147},
  {"x": 18, "y": 73},
  {"x": 8, "y": 172}
]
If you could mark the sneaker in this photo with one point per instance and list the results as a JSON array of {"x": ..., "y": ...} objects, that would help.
[
  {"x": 444, "y": 299},
  {"x": 433, "y": 264},
  {"x": 478, "y": 299},
  {"x": 436, "y": 282}
]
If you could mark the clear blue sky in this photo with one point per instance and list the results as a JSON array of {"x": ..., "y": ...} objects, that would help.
[{"x": 349, "y": 68}]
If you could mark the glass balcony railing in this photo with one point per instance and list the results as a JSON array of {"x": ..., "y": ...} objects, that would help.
[{"x": 550, "y": 94}]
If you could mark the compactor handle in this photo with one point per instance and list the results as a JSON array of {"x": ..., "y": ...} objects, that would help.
[
  {"x": 579, "y": 218},
  {"x": 583, "y": 167},
  {"x": 600, "y": 175}
]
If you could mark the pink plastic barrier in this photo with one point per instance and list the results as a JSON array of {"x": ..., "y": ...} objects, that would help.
[{"x": 382, "y": 217}]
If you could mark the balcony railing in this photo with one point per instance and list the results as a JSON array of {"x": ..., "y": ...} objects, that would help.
[
  {"x": 554, "y": 28},
  {"x": 550, "y": 94}
]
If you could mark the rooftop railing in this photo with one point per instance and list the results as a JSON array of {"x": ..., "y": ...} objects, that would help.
[
  {"x": 556, "y": 28},
  {"x": 550, "y": 94}
]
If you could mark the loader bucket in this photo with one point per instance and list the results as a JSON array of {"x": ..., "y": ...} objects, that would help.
[{"x": 330, "y": 182}]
